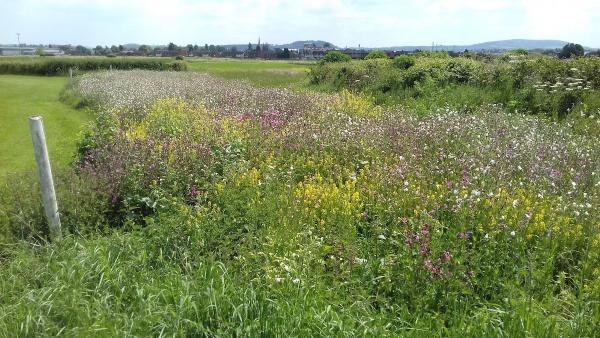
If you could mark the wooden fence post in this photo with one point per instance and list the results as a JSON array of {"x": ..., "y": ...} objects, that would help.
[{"x": 45, "y": 174}]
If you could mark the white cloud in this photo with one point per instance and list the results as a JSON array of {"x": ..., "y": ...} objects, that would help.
[
  {"x": 568, "y": 20},
  {"x": 369, "y": 22}
]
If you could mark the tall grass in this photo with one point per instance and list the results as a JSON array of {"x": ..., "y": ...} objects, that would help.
[{"x": 205, "y": 207}]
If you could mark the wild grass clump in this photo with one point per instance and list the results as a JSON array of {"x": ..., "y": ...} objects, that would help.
[
  {"x": 61, "y": 65},
  {"x": 243, "y": 211}
]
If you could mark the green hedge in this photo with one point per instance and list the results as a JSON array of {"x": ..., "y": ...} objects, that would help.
[{"x": 61, "y": 65}]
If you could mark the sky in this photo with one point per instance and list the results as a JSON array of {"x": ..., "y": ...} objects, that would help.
[{"x": 369, "y": 23}]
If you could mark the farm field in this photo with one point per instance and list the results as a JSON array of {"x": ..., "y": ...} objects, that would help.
[
  {"x": 23, "y": 96},
  {"x": 260, "y": 73},
  {"x": 200, "y": 205}
]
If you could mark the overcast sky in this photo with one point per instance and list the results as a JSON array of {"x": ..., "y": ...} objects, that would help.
[{"x": 370, "y": 23}]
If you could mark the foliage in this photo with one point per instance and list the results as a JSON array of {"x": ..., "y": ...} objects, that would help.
[
  {"x": 60, "y": 66},
  {"x": 535, "y": 85},
  {"x": 235, "y": 210},
  {"x": 571, "y": 50},
  {"x": 335, "y": 56},
  {"x": 376, "y": 54},
  {"x": 404, "y": 61}
]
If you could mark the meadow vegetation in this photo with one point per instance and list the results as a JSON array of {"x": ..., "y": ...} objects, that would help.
[
  {"x": 200, "y": 206},
  {"x": 521, "y": 83}
]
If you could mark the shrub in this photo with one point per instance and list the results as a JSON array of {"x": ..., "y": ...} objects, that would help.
[
  {"x": 376, "y": 54},
  {"x": 404, "y": 61},
  {"x": 335, "y": 56}
]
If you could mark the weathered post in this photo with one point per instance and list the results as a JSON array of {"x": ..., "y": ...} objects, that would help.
[
  {"x": 71, "y": 73},
  {"x": 45, "y": 175},
  {"x": 111, "y": 68}
]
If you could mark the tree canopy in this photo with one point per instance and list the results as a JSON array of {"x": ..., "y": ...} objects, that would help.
[{"x": 571, "y": 50}]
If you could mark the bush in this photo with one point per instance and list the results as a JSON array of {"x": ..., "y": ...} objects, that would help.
[
  {"x": 376, "y": 54},
  {"x": 179, "y": 58},
  {"x": 404, "y": 61},
  {"x": 335, "y": 56}
]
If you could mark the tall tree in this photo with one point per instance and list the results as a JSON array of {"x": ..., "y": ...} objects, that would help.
[
  {"x": 144, "y": 49},
  {"x": 571, "y": 50},
  {"x": 99, "y": 50}
]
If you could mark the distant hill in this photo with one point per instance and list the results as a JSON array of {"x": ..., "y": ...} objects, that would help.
[
  {"x": 521, "y": 43},
  {"x": 491, "y": 45},
  {"x": 292, "y": 45},
  {"x": 300, "y": 44}
]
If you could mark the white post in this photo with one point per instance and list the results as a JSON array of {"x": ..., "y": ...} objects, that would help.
[
  {"x": 45, "y": 174},
  {"x": 71, "y": 73},
  {"x": 111, "y": 68}
]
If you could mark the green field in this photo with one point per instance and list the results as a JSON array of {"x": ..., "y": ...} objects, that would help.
[
  {"x": 23, "y": 96},
  {"x": 261, "y": 73}
]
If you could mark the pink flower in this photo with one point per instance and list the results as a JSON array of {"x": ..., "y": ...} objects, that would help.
[
  {"x": 445, "y": 257},
  {"x": 425, "y": 230}
]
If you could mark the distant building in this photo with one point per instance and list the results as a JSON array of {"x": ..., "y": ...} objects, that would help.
[
  {"x": 168, "y": 53},
  {"x": 356, "y": 53},
  {"x": 312, "y": 52}
]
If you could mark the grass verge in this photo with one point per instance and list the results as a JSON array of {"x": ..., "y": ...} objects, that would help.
[{"x": 23, "y": 96}]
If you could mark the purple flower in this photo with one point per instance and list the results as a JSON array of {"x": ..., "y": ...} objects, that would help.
[
  {"x": 445, "y": 257},
  {"x": 465, "y": 235},
  {"x": 425, "y": 230}
]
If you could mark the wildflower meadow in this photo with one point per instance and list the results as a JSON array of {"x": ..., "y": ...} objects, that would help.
[{"x": 199, "y": 206}]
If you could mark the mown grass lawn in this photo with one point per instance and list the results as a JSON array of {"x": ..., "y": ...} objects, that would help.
[
  {"x": 259, "y": 72},
  {"x": 23, "y": 96}
]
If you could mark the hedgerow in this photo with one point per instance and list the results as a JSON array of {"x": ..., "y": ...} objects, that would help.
[{"x": 61, "y": 65}]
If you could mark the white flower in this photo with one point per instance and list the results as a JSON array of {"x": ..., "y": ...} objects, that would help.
[
  {"x": 381, "y": 237},
  {"x": 513, "y": 233},
  {"x": 515, "y": 203},
  {"x": 360, "y": 260},
  {"x": 296, "y": 280}
]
